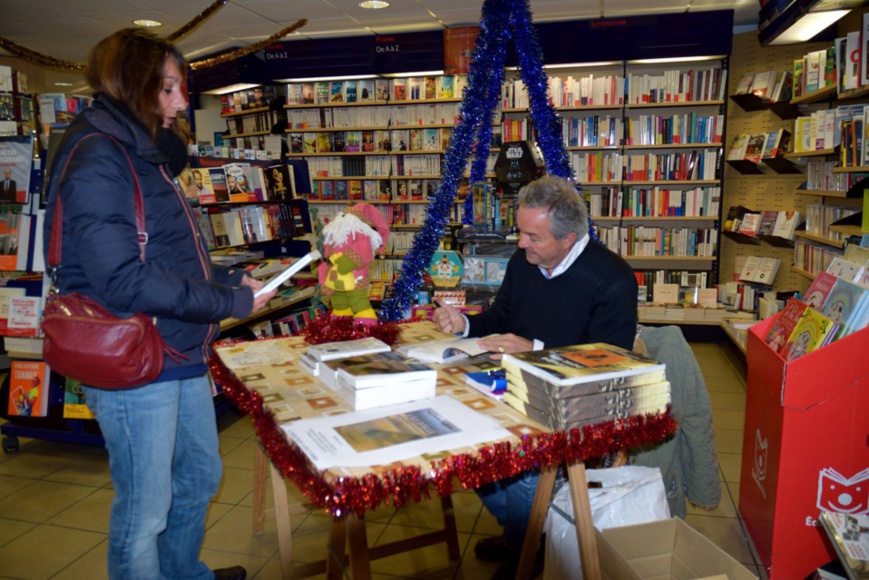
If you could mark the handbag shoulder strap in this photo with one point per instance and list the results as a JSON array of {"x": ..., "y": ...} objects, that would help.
[{"x": 55, "y": 244}]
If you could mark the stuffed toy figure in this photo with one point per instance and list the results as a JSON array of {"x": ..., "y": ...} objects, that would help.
[{"x": 349, "y": 244}]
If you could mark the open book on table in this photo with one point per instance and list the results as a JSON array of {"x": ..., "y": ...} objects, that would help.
[{"x": 442, "y": 351}]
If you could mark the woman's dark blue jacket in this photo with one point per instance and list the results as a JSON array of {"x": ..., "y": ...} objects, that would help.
[{"x": 177, "y": 283}]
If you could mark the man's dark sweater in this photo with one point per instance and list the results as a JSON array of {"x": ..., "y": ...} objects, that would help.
[{"x": 595, "y": 300}]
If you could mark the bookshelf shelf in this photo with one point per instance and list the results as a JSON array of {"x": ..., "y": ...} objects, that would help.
[
  {"x": 847, "y": 230},
  {"x": 820, "y": 239},
  {"x": 646, "y": 320},
  {"x": 354, "y": 153},
  {"x": 822, "y": 192},
  {"x": 860, "y": 93},
  {"x": 716, "y": 102},
  {"x": 370, "y": 177},
  {"x": 246, "y": 112},
  {"x": 295, "y": 298},
  {"x": 816, "y": 153},
  {"x": 851, "y": 169},
  {"x": 670, "y": 146},
  {"x": 749, "y": 102},
  {"x": 669, "y": 258},
  {"x": 371, "y": 103},
  {"x": 745, "y": 167},
  {"x": 824, "y": 94},
  {"x": 251, "y": 134},
  {"x": 803, "y": 273},
  {"x": 368, "y": 128},
  {"x": 608, "y": 219},
  {"x": 741, "y": 238},
  {"x": 781, "y": 165}
]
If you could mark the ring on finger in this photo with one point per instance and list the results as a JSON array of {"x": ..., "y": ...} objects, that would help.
[{"x": 501, "y": 349}]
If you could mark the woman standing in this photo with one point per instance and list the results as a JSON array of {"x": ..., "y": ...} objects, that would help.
[{"x": 162, "y": 437}]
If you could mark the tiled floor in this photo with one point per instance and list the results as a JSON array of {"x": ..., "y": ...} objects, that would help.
[{"x": 55, "y": 499}]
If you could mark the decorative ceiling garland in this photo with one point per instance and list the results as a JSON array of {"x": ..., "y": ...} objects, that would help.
[
  {"x": 199, "y": 19},
  {"x": 49, "y": 62},
  {"x": 240, "y": 52}
]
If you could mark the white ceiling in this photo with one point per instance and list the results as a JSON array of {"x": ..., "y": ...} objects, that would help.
[{"x": 67, "y": 29}]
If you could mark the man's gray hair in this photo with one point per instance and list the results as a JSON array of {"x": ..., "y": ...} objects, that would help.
[{"x": 564, "y": 204}]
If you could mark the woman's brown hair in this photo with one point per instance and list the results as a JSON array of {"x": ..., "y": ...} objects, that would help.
[{"x": 128, "y": 66}]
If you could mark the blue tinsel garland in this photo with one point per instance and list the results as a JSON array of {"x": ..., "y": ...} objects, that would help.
[{"x": 501, "y": 20}]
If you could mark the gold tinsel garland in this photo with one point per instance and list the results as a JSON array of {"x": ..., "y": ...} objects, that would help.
[
  {"x": 44, "y": 61},
  {"x": 240, "y": 52},
  {"x": 194, "y": 24}
]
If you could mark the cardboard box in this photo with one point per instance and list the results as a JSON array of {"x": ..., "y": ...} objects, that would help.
[
  {"x": 665, "y": 549},
  {"x": 804, "y": 448}
]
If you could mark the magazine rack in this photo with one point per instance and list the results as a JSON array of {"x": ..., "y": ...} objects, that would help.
[{"x": 804, "y": 447}]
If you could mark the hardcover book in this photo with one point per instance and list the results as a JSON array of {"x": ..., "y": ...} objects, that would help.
[
  {"x": 819, "y": 289},
  {"x": 217, "y": 176},
  {"x": 28, "y": 389},
  {"x": 346, "y": 348},
  {"x": 808, "y": 335},
  {"x": 842, "y": 304}
]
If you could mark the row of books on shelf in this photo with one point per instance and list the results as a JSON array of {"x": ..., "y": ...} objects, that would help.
[
  {"x": 290, "y": 324},
  {"x": 813, "y": 258},
  {"x": 820, "y": 176},
  {"x": 414, "y": 139},
  {"x": 255, "y": 122},
  {"x": 403, "y": 115},
  {"x": 254, "y": 147},
  {"x": 380, "y": 165},
  {"x": 654, "y": 202},
  {"x": 843, "y": 127},
  {"x": 602, "y": 167},
  {"x": 236, "y": 226},
  {"x": 376, "y": 90},
  {"x": 611, "y": 89},
  {"x": 13, "y": 81},
  {"x": 247, "y": 99},
  {"x": 819, "y": 218},
  {"x": 756, "y": 148},
  {"x": 689, "y": 313},
  {"x": 645, "y": 241},
  {"x": 674, "y": 129},
  {"x": 767, "y": 85},
  {"x": 241, "y": 183},
  {"x": 382, "y": 190},
  {"x": 778, "y": 223}
]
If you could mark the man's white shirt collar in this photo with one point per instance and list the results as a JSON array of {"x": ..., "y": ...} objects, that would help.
[{"x": 568, "y": 260}]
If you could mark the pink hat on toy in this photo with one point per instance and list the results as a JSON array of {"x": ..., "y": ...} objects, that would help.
[{"x": 372, "y": 216}]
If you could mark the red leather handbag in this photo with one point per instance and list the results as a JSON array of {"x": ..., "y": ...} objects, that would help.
[{"x": 86, "y": 342}]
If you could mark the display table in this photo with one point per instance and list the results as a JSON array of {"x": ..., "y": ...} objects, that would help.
[{"x": 265, "y": 381}]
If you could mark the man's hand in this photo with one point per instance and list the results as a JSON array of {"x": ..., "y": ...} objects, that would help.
[
  {"x": 501, "y": 343},
  {"x": 258, "y": 301},
  {"x": 448, "y": 318}
]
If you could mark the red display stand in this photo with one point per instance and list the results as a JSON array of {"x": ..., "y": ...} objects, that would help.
[{"x": 805, "y": 447}]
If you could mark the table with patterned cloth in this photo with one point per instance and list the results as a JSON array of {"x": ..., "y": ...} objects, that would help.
[{"x": 263, "y": 378}]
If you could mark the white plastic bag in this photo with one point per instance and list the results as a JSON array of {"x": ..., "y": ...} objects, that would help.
[{"x": 628, "y": 495}]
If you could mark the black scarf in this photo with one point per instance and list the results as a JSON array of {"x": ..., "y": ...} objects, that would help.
[{"x": 173, "y": 147}]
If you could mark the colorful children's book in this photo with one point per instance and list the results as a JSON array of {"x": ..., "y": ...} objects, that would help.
[
  {"x": 842, "y": 304},
  {"x": 784, "y": 326},
  {"x": 819, "y": 289},
  {"x": 808, "y": 335},
  {"x": 28, "y": 389}
]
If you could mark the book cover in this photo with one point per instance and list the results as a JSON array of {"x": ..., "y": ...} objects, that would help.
[
  {"x": 321, "y": 91},
  {"x": 339, "y": 141},
  {"x": 754, "y": 148},
  {"x": 278, "y": 182},
  {"x": 767, "y": 222},
  {"x": 808, "y": 335},
  {"x": 446, "y": 87},
  {"x": 849, "y": 533},
  {"x": 430, "y": 89},
  {"x": 750, "y": 224},
  {"x": 381, "y": 368},
  {"x": 786, "y": 224},
  {"x": 581, "y": 363},
  {"x": 350, "y": 93},
  {"x": 28, "y": 389},
  {"x": 842, "y": 304},
  {"x": 308, "y": 94},
  {"x": 336, "y": 92},
  {"x": 295, "y": 140},
  {"x": 16, "y": 160},
  {"x": 492, "y": 382},
  {"x": 413, "y": 89},
  {"x": 381, "y": 90},
  {"x": 354, "y": 190},
  {"x": 74, "y": 406},
  {"x": 819, "y": 289},
  {"x": 366, "y": 90},
  {"x": 217, "y": 176}
]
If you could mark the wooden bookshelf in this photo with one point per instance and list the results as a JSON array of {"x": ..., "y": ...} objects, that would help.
[
  {"x": 245, "y": 112},
  {"x": 820, "y": 239}
]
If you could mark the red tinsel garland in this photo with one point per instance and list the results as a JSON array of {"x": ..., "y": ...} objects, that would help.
[
  {"x": 402, "y": 485},
  {"x": 327, "y": 328}
]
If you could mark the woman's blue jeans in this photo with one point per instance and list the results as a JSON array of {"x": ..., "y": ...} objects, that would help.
[{"x": 165, "y": 465}]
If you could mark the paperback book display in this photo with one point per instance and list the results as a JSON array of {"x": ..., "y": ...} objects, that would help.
[{"x": 574, "y": 386}]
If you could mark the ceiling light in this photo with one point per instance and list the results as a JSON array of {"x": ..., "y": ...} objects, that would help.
[
  {"x": 315, "y": 79},
  {"x": 428, "y": 73},
  {"x": 797, "y": 21},
  {"x": 63, "y": 84},
  {"x": 675, "y": 59},
  {"x": 374, "y": 4},
  {"x": 808, "y": 27},
  {"x": 147, "y": 23},
  {"x": 230, "y": 89}
]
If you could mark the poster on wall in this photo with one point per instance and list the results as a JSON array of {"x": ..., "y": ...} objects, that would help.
[{"x": 16, "y": 158}]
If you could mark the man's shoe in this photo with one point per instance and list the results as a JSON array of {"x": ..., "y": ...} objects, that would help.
[
  {"x": 234, "y": 573},
  {"x": 494, "y": 549}
]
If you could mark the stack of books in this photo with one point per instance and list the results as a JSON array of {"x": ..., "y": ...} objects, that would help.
[
  {"x": 573, "y": 386},
  {"x": 386, "y": 378},
  {"x": 317, "y": 355}
]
